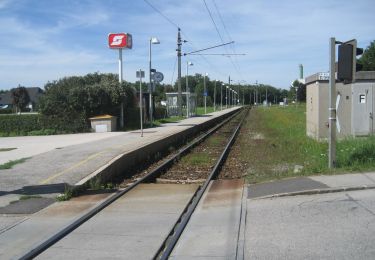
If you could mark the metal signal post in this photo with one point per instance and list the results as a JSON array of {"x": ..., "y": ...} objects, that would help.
[{"x": 332, "y": 108}]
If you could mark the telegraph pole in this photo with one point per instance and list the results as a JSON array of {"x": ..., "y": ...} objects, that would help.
[{"x": 179, "y": 96}]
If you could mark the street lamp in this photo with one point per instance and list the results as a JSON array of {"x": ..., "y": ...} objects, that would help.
[
  {"x": 188, "y": 63},
  {"x": 215, "y": 95},
  {"x": 257, "y": 92},
  {"x": 205, "y": 93},
  {"x": 229, "y": 98},
  {"x": 153, "y": 40},
  {"x": 221, "y": 96},
  {"x": 226, "y": 97}
]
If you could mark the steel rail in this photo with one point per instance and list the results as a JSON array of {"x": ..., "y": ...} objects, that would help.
[
  {"x": 169, "y": 243},
  {"x": 37, "y": 250}
]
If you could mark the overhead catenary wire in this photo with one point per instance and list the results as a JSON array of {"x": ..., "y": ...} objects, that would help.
[
  {"x": 217, "y": 31},
  {"x": 163, "y": 15},
  {"x": 209, "y": 48},
  {"x": 237, "y": 67},
  {"x": 213, "y": 67},
  {"x": 213, "y": 21},
  {"x": 219, "y": 54}
]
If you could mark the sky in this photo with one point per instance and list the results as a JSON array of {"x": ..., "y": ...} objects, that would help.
[{"x": 45, "y": 40}]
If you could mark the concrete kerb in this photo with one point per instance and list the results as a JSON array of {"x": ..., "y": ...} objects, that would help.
[
  {"x": 146, "y": 154},
  {"x": 317, "y": 191}
]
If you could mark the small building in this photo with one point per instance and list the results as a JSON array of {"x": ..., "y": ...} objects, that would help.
[
  {"x": 355, "y": 106},
  {"x": 188, "y": 104},
  {"x": 103, "y": 123}
]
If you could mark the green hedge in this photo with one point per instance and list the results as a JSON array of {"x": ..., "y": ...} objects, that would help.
[
  {"x": 37, "y": 124},
  {"x": 23, "y": 124},
  {"x": 6, "y": 111}
]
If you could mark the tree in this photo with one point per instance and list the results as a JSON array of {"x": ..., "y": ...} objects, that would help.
[
  {"x": 20, "y": 97},
  {"x": 297, "y": 91},
  {"x": 86, "y": 96},
  {"x": 368, "y": 58},
  {"x": 301, "y": 92}
]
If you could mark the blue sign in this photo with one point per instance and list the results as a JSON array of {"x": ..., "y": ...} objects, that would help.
[{"x": 205, "y": 94}]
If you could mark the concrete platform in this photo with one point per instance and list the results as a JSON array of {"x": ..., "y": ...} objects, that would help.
[
  {"x": 48, "y": 171},
  {"x": 28, "y": 146},
  {"x": 133, "y": 227},
  {"x": 213, "y": 230}
]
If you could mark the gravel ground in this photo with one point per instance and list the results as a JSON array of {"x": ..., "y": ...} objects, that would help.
[{"x": 197, "y": 165}]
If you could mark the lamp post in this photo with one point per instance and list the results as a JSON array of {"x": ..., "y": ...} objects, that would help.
[
  {"x": 153, "y": 40},
  {"x": 229, "y": 98},
  {"x": 205, "y": 93},
  {"x": 257, "y": 91},
  {"x": 215, "y": 95},
  {"x": 188, "y": 63},
  {"x": 221, "y": 96},
  {"x": 226, "y": 97}
]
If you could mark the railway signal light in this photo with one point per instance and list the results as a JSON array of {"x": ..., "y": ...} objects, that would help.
[{"x": 347, "y": 61}]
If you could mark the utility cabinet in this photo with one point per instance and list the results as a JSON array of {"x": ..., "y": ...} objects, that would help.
[
  {"x": 355, "y": 106},
  {"x": 363, "y": 109}
]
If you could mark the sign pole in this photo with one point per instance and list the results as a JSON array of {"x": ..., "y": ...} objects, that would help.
[
  {"x": 332, "y": 108},
  {"x": 120, "y": 65},
  {"x": 140, "y": 101},
  {"x": 120, "y": 80}
]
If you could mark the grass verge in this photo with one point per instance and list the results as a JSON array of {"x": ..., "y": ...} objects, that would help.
[
  {"x": 274, "y": 145},
  {"x": 7, "y": 149},
  {"x": 10, "y": 164}
]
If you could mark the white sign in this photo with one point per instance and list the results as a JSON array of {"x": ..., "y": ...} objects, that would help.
[
  {"x": 323, "y": 76},
  {"x": 120, "y": 40},
  {"x": 337, "y": 118},
  {"x": 140, "y": 74},
  {"x": 174, "y": 101}
]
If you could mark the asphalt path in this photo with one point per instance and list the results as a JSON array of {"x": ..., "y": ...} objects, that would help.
[{"x": 322, "y": 226}]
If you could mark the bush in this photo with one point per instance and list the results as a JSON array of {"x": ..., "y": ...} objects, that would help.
[
  {"x": 38, "y": 124},
  {"x": 160, "y": 112},
  {"x": 5, "y": 111},
  {"x": 90, "y": 95},
  {"x": 132, "y": 119}
]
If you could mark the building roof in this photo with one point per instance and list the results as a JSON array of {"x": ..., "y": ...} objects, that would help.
[
  {"x": 360, "y": 76},
  {"x": 34, "y": 93},
  {"x": 101, "y": 117},
  {"x": 5, "y": 98}
]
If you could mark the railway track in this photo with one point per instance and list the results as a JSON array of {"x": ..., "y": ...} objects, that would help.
[{"x": 227, "y": 131}]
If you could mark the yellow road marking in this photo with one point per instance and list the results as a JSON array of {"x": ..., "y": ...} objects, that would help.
[
  {"x": 80, "y": 163},
  {"x": 71, "y": 168}
]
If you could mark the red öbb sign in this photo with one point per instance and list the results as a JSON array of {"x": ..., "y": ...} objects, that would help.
[{"x": 120, "y": 40}]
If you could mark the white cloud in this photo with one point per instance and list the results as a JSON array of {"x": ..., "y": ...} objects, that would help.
[{"x": 275, "y": 35}]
